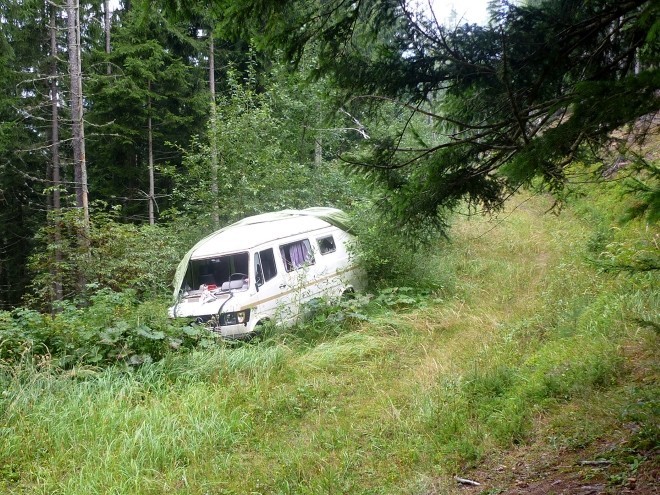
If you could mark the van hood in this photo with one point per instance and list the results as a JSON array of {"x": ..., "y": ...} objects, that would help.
[{"x": 199, "y": 306}]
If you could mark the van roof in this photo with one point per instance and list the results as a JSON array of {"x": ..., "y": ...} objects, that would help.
[
  {"x": 242, "y": 237},
  {"x": 253, "y": 231}
]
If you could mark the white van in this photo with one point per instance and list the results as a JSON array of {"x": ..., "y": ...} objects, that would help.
[{"x": 265, "y": 268}]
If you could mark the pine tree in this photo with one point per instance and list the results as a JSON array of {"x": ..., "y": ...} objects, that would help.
[
  {"x": 77, "y": 117},
  {"x": 29, "y": 182}
]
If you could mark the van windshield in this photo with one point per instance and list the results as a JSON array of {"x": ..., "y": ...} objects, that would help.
[{"x": 222, "y": 272}]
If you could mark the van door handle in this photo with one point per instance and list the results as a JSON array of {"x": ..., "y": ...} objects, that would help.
[{"x": 282, "y": 286}]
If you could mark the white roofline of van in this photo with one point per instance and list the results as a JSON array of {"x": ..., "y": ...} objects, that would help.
[{"x": 321, "y": 216}]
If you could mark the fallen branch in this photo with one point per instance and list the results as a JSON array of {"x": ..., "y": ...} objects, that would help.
[
  {"x": 464, "y": 481},
  {"x": 599, "y": 462}
]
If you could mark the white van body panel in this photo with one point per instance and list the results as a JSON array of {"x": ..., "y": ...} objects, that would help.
[{"x": 257, "y": 271}]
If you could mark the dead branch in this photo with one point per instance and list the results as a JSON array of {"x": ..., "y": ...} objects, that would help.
[{"x": 465, "y": 481}]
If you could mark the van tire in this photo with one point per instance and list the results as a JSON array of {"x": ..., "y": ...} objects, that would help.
[
  {"x": 348, "y": 294},
  {"x": 258, "y": 330}
]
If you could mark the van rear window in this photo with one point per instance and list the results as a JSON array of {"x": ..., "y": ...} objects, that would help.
[
  {"x": 297, "y": 254},
  {"x": 326, "y": 244}
]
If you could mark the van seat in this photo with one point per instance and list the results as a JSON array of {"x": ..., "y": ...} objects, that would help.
[{"x": 234, "y": 284}]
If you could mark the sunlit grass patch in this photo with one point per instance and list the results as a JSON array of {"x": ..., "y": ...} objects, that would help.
[
  {"x": 346, "y": 350},
  {"x": 493, "y": 401}
]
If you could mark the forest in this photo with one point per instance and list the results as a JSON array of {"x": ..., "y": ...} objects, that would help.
[
  {"x": 504, "y": 184},
  {"x": 128, "y": 132},
  {"x": 150, "y": 147}
]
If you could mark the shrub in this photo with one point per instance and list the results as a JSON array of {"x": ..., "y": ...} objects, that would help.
[
  {"x": 114, "y": 328},
  {"x": 392, "y": 257},
  {"x": 120, "y": 257}
]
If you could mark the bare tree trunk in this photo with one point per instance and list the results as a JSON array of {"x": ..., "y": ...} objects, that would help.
[
  {"x": 78, "y": 128},
  {"x": 55, "y": 153},
  {"x": 318, "y": 151},
  {"x": 318, "y": 144},
  {"x": 214, "y": 141},
  {"x": 152, "y": 187},
  {"x": 106, "y": 27},
  {"x": 55, "y": 138}
]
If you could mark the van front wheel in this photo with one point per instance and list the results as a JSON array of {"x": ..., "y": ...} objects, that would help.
[
  {"x": 348, "y": 294},
  {"x": 262, "y": 327}
]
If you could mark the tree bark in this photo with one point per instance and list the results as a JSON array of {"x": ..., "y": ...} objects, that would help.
[
  {"x": 150, "y": 139},
  {"x": 78, "y": 130},
  {"x": 55, "y": 154},
  {"x": 318, "y": 151},
  {"x": 106, "y": 28},
  {"x": 213, "y": 140}
]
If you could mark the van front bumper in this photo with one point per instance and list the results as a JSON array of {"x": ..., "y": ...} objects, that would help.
[{"x": 231, "y": 331}]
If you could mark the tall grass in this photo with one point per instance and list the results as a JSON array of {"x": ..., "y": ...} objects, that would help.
[{"x": 522, "y": 333}]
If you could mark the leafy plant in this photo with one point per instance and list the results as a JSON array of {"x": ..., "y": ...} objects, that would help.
[
  {"x": 121, "y": 256},
  {"x": 114, "y": 328},
  {"x": 402, "y": 297}
]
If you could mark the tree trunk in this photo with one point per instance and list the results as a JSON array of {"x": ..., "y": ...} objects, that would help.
[
  {"x": 106, "y": 28},
  {"x": 318, "y": 151},
  {"x": 78, "y": 128},
  {"x": 150, "y": 139},
  {"x": 214, "y": 137},
  {"x": 55, "y": 153},
  {"x": 318, "y": 143}
]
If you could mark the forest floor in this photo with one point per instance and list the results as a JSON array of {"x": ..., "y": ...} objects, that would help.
[{"x": 603, "y": 467}]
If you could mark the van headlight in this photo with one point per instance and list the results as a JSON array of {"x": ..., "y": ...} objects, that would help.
[{"x": 235, "y": 317}]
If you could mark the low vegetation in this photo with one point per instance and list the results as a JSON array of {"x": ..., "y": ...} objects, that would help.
[{"x": 517, "y": 333}]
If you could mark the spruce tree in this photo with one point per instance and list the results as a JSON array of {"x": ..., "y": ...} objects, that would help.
[{"x": 511, "y": 103}]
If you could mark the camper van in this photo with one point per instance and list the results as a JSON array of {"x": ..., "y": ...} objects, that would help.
[{"x": 266, "y": 268}]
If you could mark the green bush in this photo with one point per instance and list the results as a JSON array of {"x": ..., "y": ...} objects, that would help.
[
  {"x": 121, "y": 256},
  {"x": 114, "y": 328},
  {"x": 395, "y": 257}
]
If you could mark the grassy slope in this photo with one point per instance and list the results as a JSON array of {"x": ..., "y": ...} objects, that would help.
[{"x": 526, "y": 345}]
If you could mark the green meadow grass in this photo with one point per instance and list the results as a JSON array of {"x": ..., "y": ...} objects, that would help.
[{"x": 524, "y": 332}]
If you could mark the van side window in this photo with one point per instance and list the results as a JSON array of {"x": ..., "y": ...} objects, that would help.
[
  {"x": 258, "y": 270},
  {"x": 326, "y": 244},
  {"x": 268, "y": 263},
  {"x": 297, "y": 254},
  {"x": 264, "y": 266}
]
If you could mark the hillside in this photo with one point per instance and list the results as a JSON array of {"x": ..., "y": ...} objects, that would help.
[{"x": 522, "y": 361}]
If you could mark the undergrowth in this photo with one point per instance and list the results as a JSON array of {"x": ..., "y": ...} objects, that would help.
[
  {"x": 115, "y": 328},
  {"x": 380, "y": 394}
]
